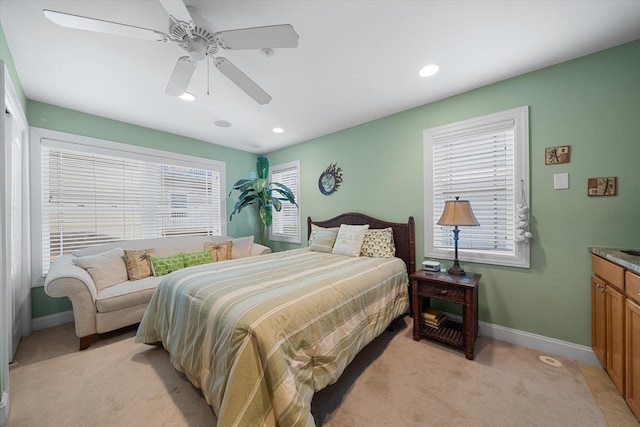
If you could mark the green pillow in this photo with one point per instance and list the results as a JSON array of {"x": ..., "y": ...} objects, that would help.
[
  {"x": 196, "y": 258},
  {"x": 166, "y": 264}
]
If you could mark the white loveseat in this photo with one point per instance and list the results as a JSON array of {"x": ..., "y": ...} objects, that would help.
[{"x": 96, "y": 310}]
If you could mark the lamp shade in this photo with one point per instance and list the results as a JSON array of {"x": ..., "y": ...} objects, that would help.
[{"x": 457, "y": 212}]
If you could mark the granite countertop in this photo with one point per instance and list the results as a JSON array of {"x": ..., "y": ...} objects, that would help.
[{"x": 628, "y": 261}]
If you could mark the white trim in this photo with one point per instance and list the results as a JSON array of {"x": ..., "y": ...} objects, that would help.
[
  {"x": 51, "y": 320},
  {"x": 520, "y": 117},
  {"x": 4, "y": 408},
  {"x": 14, "y": 106},
  {"x": 536, "y": 342}
]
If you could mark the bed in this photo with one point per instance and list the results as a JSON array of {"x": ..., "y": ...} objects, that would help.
[{"x": 259, "y": 336}]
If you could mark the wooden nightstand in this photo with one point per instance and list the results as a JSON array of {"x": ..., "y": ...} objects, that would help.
[{"x": 456, "y": 289}]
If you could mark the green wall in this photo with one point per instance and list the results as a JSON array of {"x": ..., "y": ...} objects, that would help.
[
  {"x": 238, "y": 165},
  {"x": 591, "y": 103}
]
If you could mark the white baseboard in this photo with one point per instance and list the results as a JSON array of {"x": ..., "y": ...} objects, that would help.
[
  {"x": 4, "y": 408},
  {"x": 550, "y": 346},
  {"x": 51, "y": 320}
]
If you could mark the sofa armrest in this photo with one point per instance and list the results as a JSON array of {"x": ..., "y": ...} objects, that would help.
[
  {"x": 65, "y": 279},
  {"x": 258, "y": 249}
]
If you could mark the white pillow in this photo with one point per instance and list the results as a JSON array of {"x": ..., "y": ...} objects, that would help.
[
  {"x": 241, "y": 247},
  {"x": 106, "y": 268},
  {"x": 349, "y": 240}
]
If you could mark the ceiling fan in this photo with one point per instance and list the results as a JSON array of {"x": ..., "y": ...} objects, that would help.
[{"x": 190, "y": 30}]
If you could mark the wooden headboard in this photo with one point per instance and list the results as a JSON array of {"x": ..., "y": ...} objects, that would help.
[{"x": 403, "y": 233}]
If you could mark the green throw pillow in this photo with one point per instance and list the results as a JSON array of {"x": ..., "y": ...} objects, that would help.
[
  {"x": 166, "y": 264},
  {"x": 196, "y": 258}
]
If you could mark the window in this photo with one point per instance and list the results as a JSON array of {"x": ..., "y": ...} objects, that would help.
[
  {"x": 96, "y": 194},
  {"x": 486, "y": 161},
  {"x": 286, "y": 223}
]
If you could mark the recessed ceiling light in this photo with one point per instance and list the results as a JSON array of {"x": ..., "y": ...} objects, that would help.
[
  {"x": 187, "y": 96},
  {"x": 222, "y": 123},
  {"x": 429, "y": 70},
  {"x": 278, "y": 130}
]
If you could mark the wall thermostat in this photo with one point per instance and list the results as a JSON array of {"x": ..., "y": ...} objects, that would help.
[{"x": 431, "y": 265}]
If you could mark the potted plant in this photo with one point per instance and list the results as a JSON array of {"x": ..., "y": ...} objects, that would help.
[{"x": 265, "y": 195}]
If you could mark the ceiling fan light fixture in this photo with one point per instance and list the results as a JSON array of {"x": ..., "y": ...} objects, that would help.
[
  {"x": 277, "y": 130},
  {"x": 429, "y": 70},
  {"x": 187, "y": 96}
]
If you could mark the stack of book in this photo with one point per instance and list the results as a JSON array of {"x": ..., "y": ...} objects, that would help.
[{"x": 433, "y": 318}]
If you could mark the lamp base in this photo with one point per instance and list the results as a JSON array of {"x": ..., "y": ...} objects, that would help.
[{"x": 456, "y": 270}]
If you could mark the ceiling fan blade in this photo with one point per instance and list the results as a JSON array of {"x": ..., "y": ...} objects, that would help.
[
  {"x": 243, "y": 81},
  {"x": 181, "y": 76},
  {"x": 274, "y": 36},
  {"x": 100, "y": 26},
  {"x": 177, "y": 9}
]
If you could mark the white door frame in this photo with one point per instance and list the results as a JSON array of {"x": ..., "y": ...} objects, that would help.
[{"x": 12, "y": 104}]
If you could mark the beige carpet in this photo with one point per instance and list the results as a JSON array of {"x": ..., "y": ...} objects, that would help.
[{"x": 393, "y": 381}]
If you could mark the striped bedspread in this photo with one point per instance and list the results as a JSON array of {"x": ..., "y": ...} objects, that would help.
[{"x": 259, "y": 335}]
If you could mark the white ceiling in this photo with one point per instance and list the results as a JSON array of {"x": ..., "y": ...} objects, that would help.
[{"x": 356, "y": 60}]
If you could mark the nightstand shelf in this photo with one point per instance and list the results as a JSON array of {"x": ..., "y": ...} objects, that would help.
[
  {"x": 461, "y": 290},
  {"x": 450, "y": 332}
]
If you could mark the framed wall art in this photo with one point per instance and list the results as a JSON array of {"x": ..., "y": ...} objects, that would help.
[
  {"x": 556, "y": 155},
  {"x": 605, "y": 186}
]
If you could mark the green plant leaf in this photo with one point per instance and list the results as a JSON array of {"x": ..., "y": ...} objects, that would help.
[
  {"x": 285, "y": 192},
  {"x": 262, "y": 167},
  {"x": 241, "y": 185},
  {"x": 259, "y": 184},
  {"x": 277, "y": 204},
  {"x": 266, "y": 216}
]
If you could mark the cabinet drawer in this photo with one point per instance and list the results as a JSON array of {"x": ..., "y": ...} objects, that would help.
[
  {"x": 632, "y": 284},
  {"x": 444, "y": 293},
  {"x": 608, "y": 271}
]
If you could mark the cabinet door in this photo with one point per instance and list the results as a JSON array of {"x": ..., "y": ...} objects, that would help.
[
  {"x": 615, "y": 332},
  {"x": 598, "y": 320},
  {"x": 633, "y": 357}
]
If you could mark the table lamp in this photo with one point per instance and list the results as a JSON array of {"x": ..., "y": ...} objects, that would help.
[{"x": 457, "y": 212}]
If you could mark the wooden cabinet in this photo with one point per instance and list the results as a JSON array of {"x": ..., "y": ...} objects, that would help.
[
  {"x": 615, "y": 336},
  {"x": 598, "y": 319},
  {"x": 632, "y": 393},
  {"x": 632, "y": 353},
  {"x": 607, "y": 328},
  {"x": 615, "y": 326}
]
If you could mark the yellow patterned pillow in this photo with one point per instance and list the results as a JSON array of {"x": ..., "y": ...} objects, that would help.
[
  {"x": 220, "y": 251},
  {"x": 379, "y": 243}
]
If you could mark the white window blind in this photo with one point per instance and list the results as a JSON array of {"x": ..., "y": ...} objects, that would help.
[
  {"x": 286, "y": 223},
  {"x": 91, "y": 198},
  {"x": 482, "y": 160}
]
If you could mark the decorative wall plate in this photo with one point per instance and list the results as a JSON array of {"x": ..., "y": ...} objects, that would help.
[{"x": 330, "y": 179}]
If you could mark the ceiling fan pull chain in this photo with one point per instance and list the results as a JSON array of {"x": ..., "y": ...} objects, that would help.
[{"x": 208, "y": 74}]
